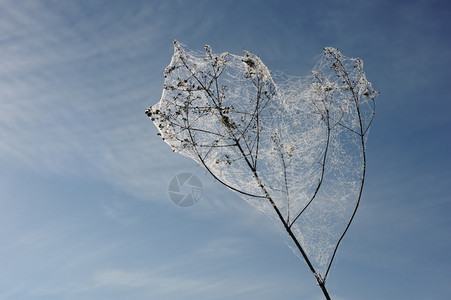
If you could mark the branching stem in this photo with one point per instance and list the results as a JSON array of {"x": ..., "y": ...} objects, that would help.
[{"x": 242, "y": 130}]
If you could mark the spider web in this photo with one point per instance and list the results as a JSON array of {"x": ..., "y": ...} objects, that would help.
[{"x": 293, "y": 147}]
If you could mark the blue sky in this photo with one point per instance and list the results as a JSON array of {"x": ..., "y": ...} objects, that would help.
[{"x": 84, "y": 210}]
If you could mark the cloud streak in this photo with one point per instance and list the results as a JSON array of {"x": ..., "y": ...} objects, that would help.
[{"x": 72, "y": 96}]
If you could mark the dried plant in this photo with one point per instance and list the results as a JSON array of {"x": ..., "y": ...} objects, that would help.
[{"x": 293, "y": 147}]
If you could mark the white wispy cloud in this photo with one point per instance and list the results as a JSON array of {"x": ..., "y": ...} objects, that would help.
[
  {"x": 73, "y": 102},
  {"x": 159, "y": 284},
  {"x": 224, "y": 246},
  {"x": 117, "y": 211}
]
